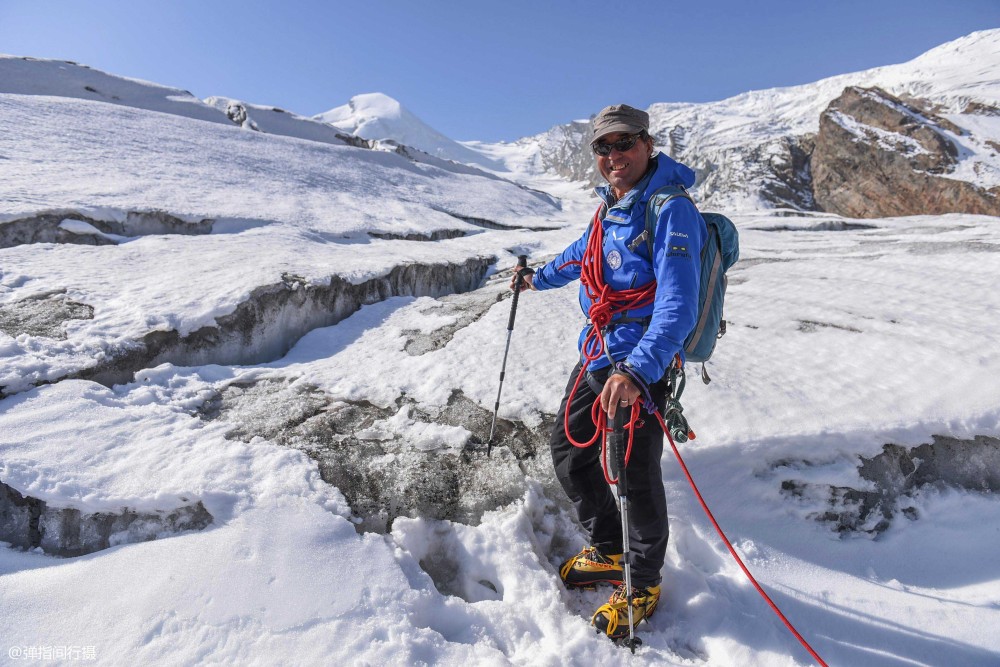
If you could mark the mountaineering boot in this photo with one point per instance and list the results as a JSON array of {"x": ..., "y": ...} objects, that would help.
[
  {"x": 591, "y": 567},
  {"x": 612, "y": 618}
]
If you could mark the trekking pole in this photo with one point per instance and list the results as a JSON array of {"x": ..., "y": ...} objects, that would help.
[
  {"x": 522, "y": 262},
  {"x": 618, "y": 446}
]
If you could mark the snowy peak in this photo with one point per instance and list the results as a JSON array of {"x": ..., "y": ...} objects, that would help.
[
  {"x": 377, "y": 116},
  {"x": 369, "y": 108},
  {"x": 966, "y": 66},
  {"x": 757, "y": 149}
]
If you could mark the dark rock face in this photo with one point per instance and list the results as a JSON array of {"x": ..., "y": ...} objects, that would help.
[
  {"x": 878, "y": 156},
  {"x": 353, "y": 140},
  {"x": 275, "y": 317},
  {"x": 45, "y": 228},
  {"x": 895, "y": 475},
  {"x": 42, "y": 315},
  {"x": 790, "y": 185},
  {"x": 28, "y": 523},
  {"x": 383, "y": 475},
  {"x": 565, "y": 150}
]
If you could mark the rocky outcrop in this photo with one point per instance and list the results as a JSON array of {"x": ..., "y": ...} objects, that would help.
[
  {"x": 873, "y": 154},
  {"x": 30, "y": 523},
  {"x": 403, "y": 460},
  {"x": 878, "y": 156},
  {"x": 775, "y": 173},
  {"x": 564, "y": 150},
  {"x": 889, "y": 481},
  {"x": 75, "y": 227},
  {"x": 42, "y": 315},
  {"x": 275, "y": 317}
]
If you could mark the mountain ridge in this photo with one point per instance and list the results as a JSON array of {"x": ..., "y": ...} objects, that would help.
[
  {"x": 750, "y": 151},
  {"x": 747, "y": 148}
]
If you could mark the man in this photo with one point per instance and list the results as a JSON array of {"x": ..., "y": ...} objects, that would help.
[{"x": 639, "y": 345}]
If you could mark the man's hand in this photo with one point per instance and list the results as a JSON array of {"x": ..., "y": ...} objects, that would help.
[
  {"x": 619, "y": 392},
  {"x": 527, "y": 275}
]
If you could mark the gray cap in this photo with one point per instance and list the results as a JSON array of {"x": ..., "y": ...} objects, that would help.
[{"x": 619, "y": 118}]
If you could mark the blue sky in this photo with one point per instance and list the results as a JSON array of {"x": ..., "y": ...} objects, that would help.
[{"x": 485, "y": 70}]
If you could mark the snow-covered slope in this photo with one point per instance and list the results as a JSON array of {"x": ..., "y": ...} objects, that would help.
[
  {"x": 303, "y": 339},
  {"x": 745, "y": 147},
  {"x": 738, "y": 142},
  {"x": 272, "y": 120},
  {"x": 386, "y": 126},
  {"x": 33, "y": 76},
  {"x": 270, "y": 190},
  {"x": 378, "y": 116}
]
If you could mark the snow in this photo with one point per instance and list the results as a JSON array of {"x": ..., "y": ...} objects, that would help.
[
  {"x": 378, "y": 116},
  {"x": 81, "y": 228},
  {"x": 889, "y": 141},
  {"x": 34, "y": 76},
  {"x": 979, "y": 148},
  {"x": 843, "y": 336},
  {"x": 313, "y": 205},
  {"x": 273, "y": 120},
  {"x": 733, "y": 136}
]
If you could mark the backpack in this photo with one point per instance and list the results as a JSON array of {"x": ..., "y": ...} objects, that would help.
[{"x": 721, "y": 251}]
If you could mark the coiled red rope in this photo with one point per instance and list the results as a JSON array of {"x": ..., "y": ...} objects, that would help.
[{"x": 606, "y": 304}]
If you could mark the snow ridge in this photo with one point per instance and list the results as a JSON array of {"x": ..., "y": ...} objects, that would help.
[{"x": 378, "y": 116}]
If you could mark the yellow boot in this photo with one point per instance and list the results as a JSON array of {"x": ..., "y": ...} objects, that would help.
[
  {"x": 612, "y": 618},
  {"x": 590, "y": 567}
]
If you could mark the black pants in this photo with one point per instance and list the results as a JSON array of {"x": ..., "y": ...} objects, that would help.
[{"x": 580, "y": 473}]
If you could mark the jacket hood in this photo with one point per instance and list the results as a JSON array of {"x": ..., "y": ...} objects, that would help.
[{"x": 670, "y": 172}]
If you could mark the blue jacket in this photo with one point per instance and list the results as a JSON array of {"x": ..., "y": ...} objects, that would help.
[{"x": 679, "y": 236}]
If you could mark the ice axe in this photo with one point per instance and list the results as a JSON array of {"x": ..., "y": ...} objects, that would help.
[{"x": 522, "y": 263}]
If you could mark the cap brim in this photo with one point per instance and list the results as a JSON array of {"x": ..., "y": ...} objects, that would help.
[{"x": 615, "y": 128}]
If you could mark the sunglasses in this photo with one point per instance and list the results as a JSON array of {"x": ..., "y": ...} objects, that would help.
[{"x": 622, "y": 145}]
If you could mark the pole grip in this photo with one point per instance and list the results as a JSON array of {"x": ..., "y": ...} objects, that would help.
[
  {"x": 619, "y": 447},
  {"x": 522, "y": 262}
]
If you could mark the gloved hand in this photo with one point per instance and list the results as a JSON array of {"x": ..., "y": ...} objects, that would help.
[{"x": 527, "y": 274}]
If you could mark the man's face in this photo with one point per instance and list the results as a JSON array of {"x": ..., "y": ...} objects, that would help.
[{"x": 623, "y": 169}]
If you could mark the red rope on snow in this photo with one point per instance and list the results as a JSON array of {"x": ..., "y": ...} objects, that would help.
[
  {"x": 729, "y": 545},
  {"x": 608, "y": 303}
]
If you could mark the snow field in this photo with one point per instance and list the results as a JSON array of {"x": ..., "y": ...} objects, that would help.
[{"x": 844, "y": 336}]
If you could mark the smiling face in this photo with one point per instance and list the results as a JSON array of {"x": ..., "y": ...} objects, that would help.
[{"x": 623, "y": 169}]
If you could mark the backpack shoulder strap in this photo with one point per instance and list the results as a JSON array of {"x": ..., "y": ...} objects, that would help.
[{"x": 655, "y": 204}]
